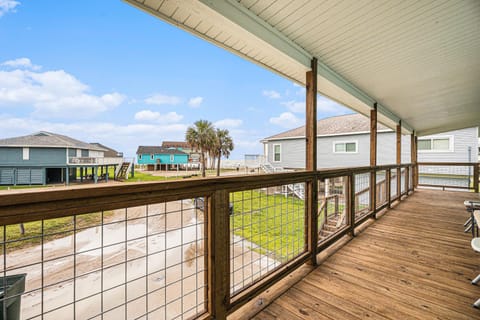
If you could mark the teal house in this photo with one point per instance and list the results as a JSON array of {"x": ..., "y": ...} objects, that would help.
[
  {"x": 160, "y": 158},
  {"x": 45, "y": 157}
]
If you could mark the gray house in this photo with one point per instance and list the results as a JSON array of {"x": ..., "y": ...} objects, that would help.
[
  {"x": 45, "y": 157},
  {"x": 344, "y": 141}
]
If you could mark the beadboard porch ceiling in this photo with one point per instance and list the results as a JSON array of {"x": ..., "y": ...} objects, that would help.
[{"x": 419, "y": 60}]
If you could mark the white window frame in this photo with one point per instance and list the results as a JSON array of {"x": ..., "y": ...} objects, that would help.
[
  {"x": 26, "y": 153},
  {"x": 139, "y": 157},
  {"x": 172, "y": 158},
  {"x": 152, "y": 156},
  {"x": 280, "y": 153},
  {"x": 345, "y": 142},
  {"x": 451, "y": 144}
]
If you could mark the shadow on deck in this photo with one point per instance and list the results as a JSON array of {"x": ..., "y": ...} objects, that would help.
[{"x": 415, "y": 262}]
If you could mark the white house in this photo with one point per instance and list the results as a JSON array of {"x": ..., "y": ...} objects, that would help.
[{"x": 344, "y": 141}]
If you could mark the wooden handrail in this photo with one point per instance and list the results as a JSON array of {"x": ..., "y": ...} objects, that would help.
[{"x": 33, "y": 205}]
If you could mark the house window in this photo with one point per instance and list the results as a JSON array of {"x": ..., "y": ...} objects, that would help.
[
  {"x": 172, "y": 158},
  {"x": 139, "y": 157},
  {"x": 345, "y": 147},
  {"x": 26, "y": 153},
  {"x": 438, "y": 144},
  {"x": 152, "y": 157},
  {"x": 276, "y": 153}
]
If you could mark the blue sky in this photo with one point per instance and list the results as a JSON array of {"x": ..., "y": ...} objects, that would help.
[{"x": 103, "y": 71}]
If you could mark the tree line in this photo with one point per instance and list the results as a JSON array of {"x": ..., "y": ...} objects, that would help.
[{"x": 210, "y": 142}]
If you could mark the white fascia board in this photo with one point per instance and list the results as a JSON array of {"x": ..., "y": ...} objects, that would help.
[{"x": 325, "y": 135}]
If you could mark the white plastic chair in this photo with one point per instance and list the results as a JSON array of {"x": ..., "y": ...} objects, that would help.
[{"x": 476, "y": 247}]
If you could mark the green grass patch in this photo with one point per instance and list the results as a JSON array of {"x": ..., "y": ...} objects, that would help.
[
  {"x": 274, "y": 223},
  {"x": 52, "y": 229}
]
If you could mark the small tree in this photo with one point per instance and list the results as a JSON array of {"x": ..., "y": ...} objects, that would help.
[
  {"x": 201, "y": 136},
  {"x": 223, "y": 146}
]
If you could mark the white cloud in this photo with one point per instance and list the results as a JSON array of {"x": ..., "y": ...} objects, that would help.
[
  {"x": 286, "y": 120},
  {"x": 228, "y": 123},
  {"x": 153, "y": 116},
  {"x": 7, "y": 6},
  {"x": 295, "y": 106},
  {"x": 159, "y": 99},
  {"x": 328, "y": 106},
  {"x": 52, "y": 93},
  {"x": 195, "y": 102},
  {"x": 21, "y": 63},
  {"x": 272, "y": 94}
]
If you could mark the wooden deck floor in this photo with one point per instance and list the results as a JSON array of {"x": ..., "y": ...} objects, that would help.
[{"x": 415, "y": 262}]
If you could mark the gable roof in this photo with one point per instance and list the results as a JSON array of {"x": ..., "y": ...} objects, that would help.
[
  {"x": 176, "y": 144},
  {"x": 109, "y": 152},
  {"x": 346, "y": 124},
  {"x": 44, "y": 139},
  {"x": 158, "y": 150}
]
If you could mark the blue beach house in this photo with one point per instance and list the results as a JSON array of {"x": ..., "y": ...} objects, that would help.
[
  {"x": 158, "y": 158},
  {"x": 45, "y": 157}
]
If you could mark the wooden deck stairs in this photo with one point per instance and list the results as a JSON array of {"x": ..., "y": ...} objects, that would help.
[{"x": 123, "y": 172}]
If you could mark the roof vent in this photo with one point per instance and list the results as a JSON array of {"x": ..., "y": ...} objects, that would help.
[{"x": 42, "y": 134}]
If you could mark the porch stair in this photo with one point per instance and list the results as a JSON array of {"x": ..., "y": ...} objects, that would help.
[{"x": 122, "y": 173}]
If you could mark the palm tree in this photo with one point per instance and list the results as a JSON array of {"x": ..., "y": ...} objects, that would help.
[
  {"x": 201, "y": 136},
  {"x": 222, "y": 146}
]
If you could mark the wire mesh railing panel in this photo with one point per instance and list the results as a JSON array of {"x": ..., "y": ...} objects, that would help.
[
  {"x": 332, "y": 207},
  {"x": 393, "y": 183},
  {"x": 402, "y": 183},
  {"x": 129, "y": 263},
  {"x": 410, "y": 179},
  {"x": 381, "y": 188},
  {"x": 362, "y": 194},
  {"x": 446, "y": 176},
  {"x": 267, "y": 230}
]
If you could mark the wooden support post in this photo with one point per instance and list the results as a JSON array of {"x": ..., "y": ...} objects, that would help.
[
  {"x": 388, "y": 185},
  {"x": 475, "y": 177},
  {"x": 413, "y": 161},
  {"x": 415, "y": 181},
  {"x": 373, "y": 160},
  {"x": 399, "y": 160},
  {"x": 218, "y": 260},
  {"x": 311, "y": 231}
]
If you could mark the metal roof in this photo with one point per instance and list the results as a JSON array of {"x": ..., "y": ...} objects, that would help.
[
  {"x": 333, "y": 126},
  {"x": 419, "y": 60},
  {"x": 44, "y": 139}
]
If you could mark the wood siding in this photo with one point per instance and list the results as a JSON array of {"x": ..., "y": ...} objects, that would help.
[
  {"x": 293, "y": 150},
  {"x": 38, "y": 157}
]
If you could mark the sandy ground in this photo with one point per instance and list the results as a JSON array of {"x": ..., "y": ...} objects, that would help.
[{"x": 154, "y": 284}]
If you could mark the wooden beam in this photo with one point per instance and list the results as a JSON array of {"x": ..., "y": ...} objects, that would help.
[
  {"x": 399, "y": 159},
  {"x": 218, "y": 264},
  {"x": 415, "y": 181},
  {"x": 373, "y": 158},
  {"x": 311, "y": 226},
  {"x": 311, "y": 118},
  {"x": 413, "y": 160}
]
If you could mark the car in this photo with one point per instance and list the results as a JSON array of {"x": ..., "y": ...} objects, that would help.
[{"x": 199, "y": 204}]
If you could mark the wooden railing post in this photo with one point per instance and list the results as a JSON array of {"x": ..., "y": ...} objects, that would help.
[
  {"x": 351, "y": 203},
  {"x": 407, "y": 180},
  {"x": 475, "y": 177},
  {"x": 311, "y": 231},
  {"x": 218, "y": 264},
  {"x": 388, "y": 184}
]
